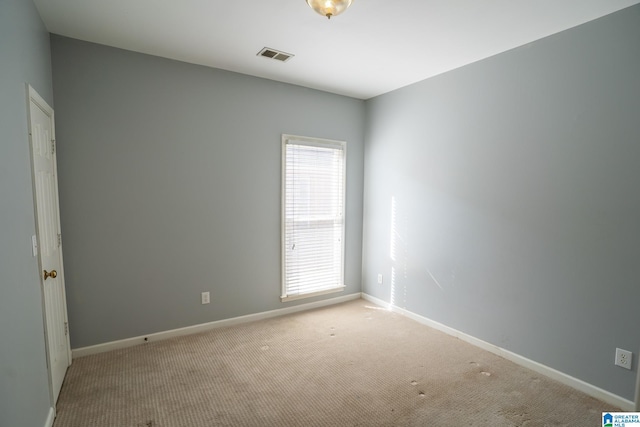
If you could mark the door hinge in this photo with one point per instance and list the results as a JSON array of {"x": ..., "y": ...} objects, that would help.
[
  {"x": 53, "y": 146},
  {"x": 66, "y": 328},
  {"x": 59, "y": 239}
]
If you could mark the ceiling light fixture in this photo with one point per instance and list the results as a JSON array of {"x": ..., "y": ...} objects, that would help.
[{"x": 329, "y": 8}]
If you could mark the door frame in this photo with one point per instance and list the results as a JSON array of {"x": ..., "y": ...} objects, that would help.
[
  {"x": 35, "y": 98},
  {"x": 638, "y": 383}
]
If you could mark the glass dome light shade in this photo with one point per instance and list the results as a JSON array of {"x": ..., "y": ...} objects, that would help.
[{"x": 329, "y": 8}]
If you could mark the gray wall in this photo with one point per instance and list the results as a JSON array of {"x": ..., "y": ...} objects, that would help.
[
  {"x": 169, "y": 178},
  {"x": 24, "y": 58},
  {"x": 517, "y": 207}
]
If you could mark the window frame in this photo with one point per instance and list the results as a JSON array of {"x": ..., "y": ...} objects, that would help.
[{"x": 313, "y": 142}]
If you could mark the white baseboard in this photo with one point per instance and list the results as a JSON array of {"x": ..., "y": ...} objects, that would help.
[
  {"x": 129, "y": 342},
  {"x": 554, "y": 374},
  {"x": 50, "y": 417}
]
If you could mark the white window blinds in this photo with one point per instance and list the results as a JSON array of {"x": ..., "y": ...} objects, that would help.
[{"x": 313, "y": 185}]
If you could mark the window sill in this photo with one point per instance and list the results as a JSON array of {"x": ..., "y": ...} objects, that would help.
[{"x": 287, "y": 298}]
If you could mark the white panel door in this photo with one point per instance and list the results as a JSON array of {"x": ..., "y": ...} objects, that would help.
[{"x": 41, "y": 127}]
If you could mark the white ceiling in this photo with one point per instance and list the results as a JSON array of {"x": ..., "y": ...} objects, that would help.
[{"x": 374, "y": 47}]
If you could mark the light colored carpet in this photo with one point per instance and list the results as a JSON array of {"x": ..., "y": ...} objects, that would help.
[{"x": 353, "y": 364}]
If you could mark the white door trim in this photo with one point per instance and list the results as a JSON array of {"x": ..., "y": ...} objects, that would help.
[{"x": 638, "y": 382}]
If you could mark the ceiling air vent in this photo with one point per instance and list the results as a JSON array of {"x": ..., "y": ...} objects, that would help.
[{"x": 275, "y": 54}]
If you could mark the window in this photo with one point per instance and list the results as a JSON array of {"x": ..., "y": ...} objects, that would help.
[{"x": 313, "y": 188}]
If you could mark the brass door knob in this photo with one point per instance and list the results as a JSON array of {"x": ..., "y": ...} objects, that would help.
[{"x": 53, "y": 274}]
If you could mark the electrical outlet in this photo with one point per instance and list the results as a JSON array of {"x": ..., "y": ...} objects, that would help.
[
  {"x": 205, "y": 298},
  {"x": 380, "y": 278},
  {"x": 623, "y": 358}
]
